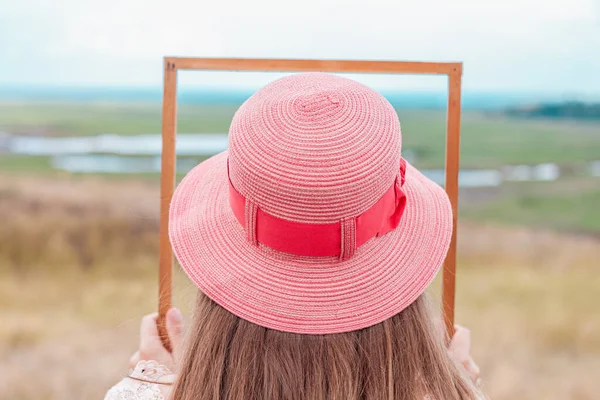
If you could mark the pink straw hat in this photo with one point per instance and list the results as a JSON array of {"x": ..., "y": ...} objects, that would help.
[{"x": 311, "y": 222}]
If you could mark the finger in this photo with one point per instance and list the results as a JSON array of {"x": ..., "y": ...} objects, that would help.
[
  {"x": 134, "y": 360},
  {"x": 151, "y": 346},
  {"x": 472, "y": 370},
  {"x": 148, "y": 326},
  {"x": 460, "y": 345},
  {"x": 175, "y": 330}
]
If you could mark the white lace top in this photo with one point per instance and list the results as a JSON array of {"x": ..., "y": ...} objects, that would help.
[{"x": 148, "y": 381}]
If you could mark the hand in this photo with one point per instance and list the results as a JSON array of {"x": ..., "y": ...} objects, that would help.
[
  {"x": 151, "y": 347},
  {"x": 459, "y": 350}
]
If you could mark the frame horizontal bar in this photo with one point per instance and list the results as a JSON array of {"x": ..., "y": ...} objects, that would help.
[{"x": 286, "y": 65}]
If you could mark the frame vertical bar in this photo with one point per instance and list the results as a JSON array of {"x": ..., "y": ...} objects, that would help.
[
  {"x": 452, "y": 169},
  {"x": 167, "y": 186}
]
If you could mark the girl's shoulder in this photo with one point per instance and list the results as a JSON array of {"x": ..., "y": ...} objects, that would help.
[{"x": 148, "y": 381}]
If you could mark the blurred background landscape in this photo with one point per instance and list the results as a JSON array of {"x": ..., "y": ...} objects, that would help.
[{"x": 80, "y": 120}]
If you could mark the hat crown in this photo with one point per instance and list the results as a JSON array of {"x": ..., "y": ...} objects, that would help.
[{"x": 314, "y": 148}]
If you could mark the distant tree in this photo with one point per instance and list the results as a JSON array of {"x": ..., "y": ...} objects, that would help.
[{"x": 566, "y": 110}]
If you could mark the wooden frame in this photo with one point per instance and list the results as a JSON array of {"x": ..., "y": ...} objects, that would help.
[{"x": 169, "y": 122}]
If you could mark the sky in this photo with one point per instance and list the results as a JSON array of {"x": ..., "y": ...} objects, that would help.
[{"x": 531, "y": 46}]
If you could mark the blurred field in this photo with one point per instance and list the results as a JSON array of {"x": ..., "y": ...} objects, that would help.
[
  {"x": 78, "y": 253},
  {"x": 567, "y": 205},
  {"x": 78, "y": 268},
  {"x": 488, "y": 140},
  {"x": 65, "y": 119}
]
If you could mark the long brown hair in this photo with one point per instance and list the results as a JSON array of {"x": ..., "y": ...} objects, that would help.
[{"x": 403, "y": 357}]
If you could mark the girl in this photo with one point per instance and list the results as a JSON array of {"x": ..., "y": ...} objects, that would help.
[{"x": 312, "y": 242}]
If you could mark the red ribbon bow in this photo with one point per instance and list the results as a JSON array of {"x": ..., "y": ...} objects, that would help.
[{"x": 392, "y": 222}]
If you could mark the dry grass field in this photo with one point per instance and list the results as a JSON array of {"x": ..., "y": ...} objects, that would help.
[{"x": 78, "y": 268}]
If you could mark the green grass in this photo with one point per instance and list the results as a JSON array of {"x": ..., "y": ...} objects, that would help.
[
  {"x": 491, "y": 141},
  {"x": 486, "y": 140},
  {"x": 571, "y": 210},
  {"x": 28, "y": 164},
  {"x": 42, "y": 166},
  {"x": 126, "y": 119}
]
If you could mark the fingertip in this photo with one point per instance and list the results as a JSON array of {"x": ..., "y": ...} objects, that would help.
[
  {"x": 150, "y": 317},
  {"x": 174, "y": 316},
  {"x": 148, "y": 325},
  {"x": 461, "y": 332}
]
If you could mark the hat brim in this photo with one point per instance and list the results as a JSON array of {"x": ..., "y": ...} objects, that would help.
[{"x": 312, "y": 295}]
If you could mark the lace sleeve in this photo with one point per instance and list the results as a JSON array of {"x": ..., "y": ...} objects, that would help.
[{"x": 148, "y": 381}]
